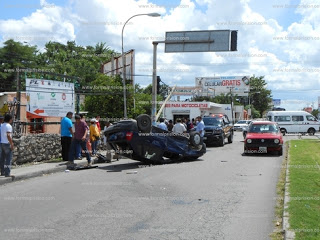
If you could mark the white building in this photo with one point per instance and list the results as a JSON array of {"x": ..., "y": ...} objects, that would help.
[{"x": 174, "y": 110}]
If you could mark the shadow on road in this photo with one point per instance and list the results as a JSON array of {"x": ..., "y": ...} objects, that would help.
[
  {"x": 137, "y": 165},
  {"x": 271, "y": 154}
]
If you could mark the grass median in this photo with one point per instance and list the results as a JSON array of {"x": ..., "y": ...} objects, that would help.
[{"x": 304, "y": 189}]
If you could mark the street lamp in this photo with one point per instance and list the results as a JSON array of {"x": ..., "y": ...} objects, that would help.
[{"x": 124, "y": 62}]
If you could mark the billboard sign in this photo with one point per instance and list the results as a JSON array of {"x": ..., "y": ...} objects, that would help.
[
  {"x": 49, "y": 98},
  {"x": 213, "y": 86},
  {"x": 115, "y": 65},
  {"x": 200, "y": 41}
]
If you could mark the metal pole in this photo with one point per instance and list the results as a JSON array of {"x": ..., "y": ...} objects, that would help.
[
  {"x": 124, "y": 62},
  {"x": 164, "y": 103},
  {"x": 232, "y": 112},
  {"x": 18, "y": 95},
  {"x": 124, "y": 75},
  {"x": 154, "y": 85}
]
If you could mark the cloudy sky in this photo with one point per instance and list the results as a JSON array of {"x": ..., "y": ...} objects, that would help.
[{"x": 278, "y": 39}]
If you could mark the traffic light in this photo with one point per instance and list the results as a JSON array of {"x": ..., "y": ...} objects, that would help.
[
  {"x": 158, "y": 84},
  {"x": 234, "y": 40}
]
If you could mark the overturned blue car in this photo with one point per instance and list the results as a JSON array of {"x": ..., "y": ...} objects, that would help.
[{"x": 139, "y": 140}]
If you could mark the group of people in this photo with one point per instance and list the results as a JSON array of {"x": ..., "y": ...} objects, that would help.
[
  {"x": 79, "y": 137},
  {"x": 183, "y": 125},
  {"x": 6, "y": 145}
]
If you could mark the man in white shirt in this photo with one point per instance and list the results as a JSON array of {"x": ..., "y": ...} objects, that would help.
[
  {"x": 6, "y": 146},
  {"x": 162, "y": 125},
  {"x": 200, "y": 126},
  {"x": 179, "y": 127}
]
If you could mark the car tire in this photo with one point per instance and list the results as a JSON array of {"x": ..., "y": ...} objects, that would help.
[
  {"x": 144, "y": 123},
  {"x": 195, "y": 139},
  {"x": 311, "y": 131},
  {"x": 245, "y": 151},
  {"x": 221, "y": 141},
  {"x": 280, "y": 152},
  {"x": 230, "y": 138}
]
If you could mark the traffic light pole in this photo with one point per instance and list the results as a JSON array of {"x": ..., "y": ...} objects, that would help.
[{"x": 154, "y": 85}]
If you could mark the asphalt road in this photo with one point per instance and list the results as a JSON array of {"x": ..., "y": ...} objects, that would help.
[{"x": 223, "y": 195}]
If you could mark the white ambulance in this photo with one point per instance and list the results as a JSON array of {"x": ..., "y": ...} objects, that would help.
[{"x": 295, "y": 121}]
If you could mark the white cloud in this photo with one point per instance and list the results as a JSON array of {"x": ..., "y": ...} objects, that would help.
[{"x": 43, "y": 25}]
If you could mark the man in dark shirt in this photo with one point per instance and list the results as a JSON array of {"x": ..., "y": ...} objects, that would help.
[
  {"x": 170, "y": 125},
  {"x": 80, "y": 138}
]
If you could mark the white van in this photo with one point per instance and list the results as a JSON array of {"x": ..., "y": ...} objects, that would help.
[{"x": 295, "y": 121}]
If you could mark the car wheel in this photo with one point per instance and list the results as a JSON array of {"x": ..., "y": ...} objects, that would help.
[
  {"x": 280, "y": 152},
  {"x": 144, "y": 123},
  {"x": 245, "y": 151},
  {"x": 230, "y": 138},
  {"x": 221, "y": 141},
  {"x": 311, "y": 131},
  {"x": 195, "y": 139}
]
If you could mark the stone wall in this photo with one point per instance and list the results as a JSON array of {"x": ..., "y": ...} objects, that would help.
[{"x": 36, "y": 148}]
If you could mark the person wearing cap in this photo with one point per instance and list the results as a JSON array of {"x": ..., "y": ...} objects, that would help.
[
  {"x": 98, "y": 123},
  {"x": 79, "y": 138},
  {"x": 99, "y": 128},
  {"x": 94, "y": 135}
]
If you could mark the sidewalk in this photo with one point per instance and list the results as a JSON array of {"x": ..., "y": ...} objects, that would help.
[{"x": 25, "y": 172}]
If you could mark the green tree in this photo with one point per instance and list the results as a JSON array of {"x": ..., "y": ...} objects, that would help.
[
  {"x": 14, "y": 55},
  {"x": 105, "y": 97},
  {"x": 260, "y": 96},
  {"x": 78, "y": 61},
  {"x": 315, "y": 112}
]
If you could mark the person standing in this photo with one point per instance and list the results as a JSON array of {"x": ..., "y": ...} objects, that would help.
[
  {"x": 99, "y": 129},
  {"x": 94, "y": 135},
  {"x": 78, "y": 150},
  {"x": 184, "y": 122},
  {"x": 6, "y": 146},
  {"x": 179, "y": 127},
  {"x": 162, "y": 125},
  {"x": 66, "y": 135},
  {"x": 1, "y": 121},
  {"x": 98, "y": 123},
  {"x": 200, "y": 126},
  {"x": 79, "y": 138},
  {"x": 189, "y": 125},
  {"x": 170, "y": 125},
  {"x": 107, "y": 124},
  {"x": 194, "y": 122}
]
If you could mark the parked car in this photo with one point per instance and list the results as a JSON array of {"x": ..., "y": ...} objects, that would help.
[
  {"x": 217, "y": 129},
  {"x": 263, "y": 137},
  {"x": 139, "y": 140},
  {"x": 241, "y": 124}
]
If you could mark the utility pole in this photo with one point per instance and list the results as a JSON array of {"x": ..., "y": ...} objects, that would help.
[
  {"x": 154, "y": 85},
  {"x": 18, "y": 94}
]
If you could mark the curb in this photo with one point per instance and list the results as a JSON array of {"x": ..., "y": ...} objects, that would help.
[
  {"x": 39, "y": 173},
  {"x": 288, "y": 234},
  {"x": 33, "y": 174}
]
